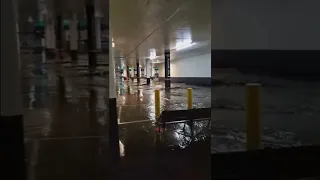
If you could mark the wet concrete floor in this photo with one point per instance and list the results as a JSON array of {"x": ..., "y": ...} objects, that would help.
[
  {"x": 290, "y": 111},
  {"x": 66, "y": 126}
]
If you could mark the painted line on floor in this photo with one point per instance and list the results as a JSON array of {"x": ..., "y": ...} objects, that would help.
[
  {"x": 129, "y": 105},
  {"x": 134, "y": 122}
]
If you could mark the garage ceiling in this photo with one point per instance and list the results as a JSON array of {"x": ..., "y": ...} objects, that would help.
[{"x": 143, "y": 28}]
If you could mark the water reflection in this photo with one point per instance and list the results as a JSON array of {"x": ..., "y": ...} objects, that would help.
[
  {"x": 32, "y": 98},
  {"x": 93, "y": 104},
  {"x": 48, "y": 121},
  {"x": 122, "y": 149},
  {"x": 61, "y": 89},
  {"x": 151, "y": 114},
  {"x": 183, "y": 134}
]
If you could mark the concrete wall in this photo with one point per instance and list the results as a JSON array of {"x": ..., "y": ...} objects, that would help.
[
  {"x": 258, "y": 36},
  {"x": 193, "y": 70}
]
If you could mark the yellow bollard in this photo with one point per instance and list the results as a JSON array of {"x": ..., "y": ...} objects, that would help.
[
  {"x": 189, "y": 93},
  {"x": 157, "y": 103},
  {"x": 253, "y": 117}
]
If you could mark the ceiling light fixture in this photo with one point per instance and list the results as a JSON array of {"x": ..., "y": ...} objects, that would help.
[
  {"x": 184, "y": 45},
  {"x": 153, "y": 57},
  {"x": 153, "y": 54}
]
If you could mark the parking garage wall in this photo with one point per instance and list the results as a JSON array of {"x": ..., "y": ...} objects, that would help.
[
  {"x": 266, "y": 36},
  {"x": 194, "y": 70}
]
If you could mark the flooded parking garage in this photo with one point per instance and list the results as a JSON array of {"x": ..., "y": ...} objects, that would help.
[
  {"x": 66, "y": 123},
  {"x": 69, "y": 100}
]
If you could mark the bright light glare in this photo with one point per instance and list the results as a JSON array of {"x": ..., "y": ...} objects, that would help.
[
  {"x": 153, "y": 57},
  {"x": 184, "y": 44},
  {"x": 113, "y": 44},
  {"x": 184, "y": 39},
  {"x": 153, "y": 54}
]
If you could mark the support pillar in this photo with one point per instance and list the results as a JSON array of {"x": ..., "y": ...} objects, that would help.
[
  {"x": 128, "y": 73},
  {"x": 113, "y": 114},
  {"x": 59, "y": 33},
  {"x": 50, "y": 36},
  {"x": 132, "y": 73},
  {"x": 138, "y": 71},
  {"x": 11, "y": 122},
  {"x": 74, "y": 38},
  {"x": 167, "y": 68},
  {"x": 97, "y": 6},
  {"x": 41, "y": 19},
  {"x": 148, "y": 71},
  {"x": 91, "y": 35},
  {"x": 98, "y": 33},
  {"x": 16, "y": 11}
]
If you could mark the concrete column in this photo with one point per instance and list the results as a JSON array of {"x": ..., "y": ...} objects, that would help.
[
  {"x": 11, "y": 122},
  {"x": 167, "y": 68},
  {"x": 74, "y": 38},
  {"x": 113, "y": 114},
  {"x": 16, "y": 11},
  {"x": 18, "y": 41},
  {"x": 97, "y": 7},
  {"x": 91, "y": 35},
  {"x": 98, "y": 33},
  {"x": 59, "y": 34},
  {"x": 83, "y": 35},
  {"x": 50, "y": 37},
  {"x": 138, "y": 71},
  {"x": 41, "y": 15},
  {"x": 67, "y": 35},
  {"x": 148, "y": 71},
  {"x": 128, "y": 72},
  {"x": 132, "y": 72}
]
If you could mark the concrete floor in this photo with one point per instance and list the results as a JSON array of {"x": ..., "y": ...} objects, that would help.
[
  {"x": 290, "y": 111},
  {"x": 66, "y": 127}
]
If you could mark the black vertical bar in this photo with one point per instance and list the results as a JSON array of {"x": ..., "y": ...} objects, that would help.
[
  {"x": 91, "y": 35},
  {"x": 128, "y": 73},
  {"x": 138, "y": 73},
  {"x": 12, "y": 147},
  {"x": 167, "y": 68},
  {"x": 148, "y": 81},
  {"x": 59, "y": 30}
]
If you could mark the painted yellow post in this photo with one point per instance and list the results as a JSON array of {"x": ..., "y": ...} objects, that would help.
[
  {"x": 189, "y": 93},
  {"x": 157, "y": 103},
  {"x": 253, "y": 116}
]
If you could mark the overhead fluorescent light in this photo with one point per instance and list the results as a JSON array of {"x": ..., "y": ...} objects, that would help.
[
  {"x": 184, "y": 47},
  {"x": 184, "y": 44},
  {"x": 153, "y": 54},
  {"x": 153, "y": 57}
]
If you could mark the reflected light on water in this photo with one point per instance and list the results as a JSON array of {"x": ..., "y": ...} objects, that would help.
[
  {"x": 141, "y": 94},
  {"x": 122, "y": 149},
  {"x": 31, "y": 97},
  {"x": 119, "y": 114},
  {"x": 150, "y": 108},
  {"x": 48, "y": 121}
]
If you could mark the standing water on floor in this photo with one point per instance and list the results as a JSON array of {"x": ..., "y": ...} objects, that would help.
[{"x": 290, "y": 111}]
